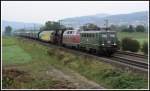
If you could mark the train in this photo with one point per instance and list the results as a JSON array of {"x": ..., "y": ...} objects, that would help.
[{"x": 96, "y": 41}]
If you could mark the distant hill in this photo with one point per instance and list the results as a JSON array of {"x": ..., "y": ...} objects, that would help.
[
  {"x": 135, "y": 18},
  {"x": 19, "y": 25}
]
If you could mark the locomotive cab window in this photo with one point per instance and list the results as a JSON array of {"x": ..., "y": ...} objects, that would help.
[
  {"x": 112, "y": 35},
  {"x": 104, "y": 35},
  {"x": 82, "y": 35}
]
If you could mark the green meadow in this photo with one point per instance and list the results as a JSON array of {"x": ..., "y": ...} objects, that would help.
[{"x": 139, "y": 36}]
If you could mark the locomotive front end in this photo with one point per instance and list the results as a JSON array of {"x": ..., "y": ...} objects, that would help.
[{"x": 108, "y": 42}]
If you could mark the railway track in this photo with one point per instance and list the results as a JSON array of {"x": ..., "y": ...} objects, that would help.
[
  {"x": 135, "y": 59},
  {"x": 133, "y": 62},
  {"x": 132, "y": 54},
  {"x": 117, "y": 58}
]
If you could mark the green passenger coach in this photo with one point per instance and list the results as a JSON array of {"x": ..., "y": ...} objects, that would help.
[{"x": 98, "y": 41}]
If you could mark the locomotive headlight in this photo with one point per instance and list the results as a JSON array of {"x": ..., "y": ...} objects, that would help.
[
  {"x": 102, "y": 44},
  {"x": 114, "y": 43}
]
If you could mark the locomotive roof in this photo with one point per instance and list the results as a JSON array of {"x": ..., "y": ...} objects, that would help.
[
  {"x": 73, "y": 30},
  {"x": 93, "y": 31}
]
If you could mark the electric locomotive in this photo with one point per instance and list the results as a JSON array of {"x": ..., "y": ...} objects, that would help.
[{"x": 103, "y": 42}]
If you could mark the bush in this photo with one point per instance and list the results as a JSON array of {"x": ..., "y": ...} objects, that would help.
[
  {"x": 145, "y": 47},
  {"x": 118, "y": 43},
  {"x": 140, "y": 28},
  {"x": 7, "y": 81},
  {"x": 129, "y": 44}
]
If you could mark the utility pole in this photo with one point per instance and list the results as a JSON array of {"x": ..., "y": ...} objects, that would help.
[
  {"x": 24, "y": 27},
  {"x": 34, "y": 27},
  {"x": 106, "y": 24}
]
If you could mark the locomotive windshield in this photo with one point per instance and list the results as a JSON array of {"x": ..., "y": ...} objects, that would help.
[
  {"x": 112, "y": 35},
  {"x": 109, "y": 38},
  {"x": 104, "y": 35}
]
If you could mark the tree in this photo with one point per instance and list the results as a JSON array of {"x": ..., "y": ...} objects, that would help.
[
  {"x": 8, "y": 30},
  {"x": 140, "y": 28},
  {"x": 129, "y": 29},
  {"x": 114, "y": 28},
  {"x": 89, "y": 26},
  {"x": 50, "y": 25},
  {"x": 125, "y": 30}
]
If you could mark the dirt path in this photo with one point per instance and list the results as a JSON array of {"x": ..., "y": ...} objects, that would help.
[
  {"x": 73, "y": 78},
  {"x": 66, "y": 78}
]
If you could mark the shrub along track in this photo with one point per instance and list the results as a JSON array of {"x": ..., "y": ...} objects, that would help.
[{"x": 122, "y": 62}]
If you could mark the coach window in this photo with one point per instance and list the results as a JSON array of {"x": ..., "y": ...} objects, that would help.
[
  {"x": 96, "y": 35},
  {"x": 91, "y": 35}
]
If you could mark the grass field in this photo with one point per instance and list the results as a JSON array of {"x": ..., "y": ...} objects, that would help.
[
  {"x": 141, "y": 37},
  {"x": 36, "y": 59},
  {"x": 15, "y": 53}
]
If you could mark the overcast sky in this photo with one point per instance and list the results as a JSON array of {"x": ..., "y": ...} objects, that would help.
[{"x": 41, "y": 11}]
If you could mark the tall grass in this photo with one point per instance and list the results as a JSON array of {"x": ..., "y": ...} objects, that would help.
[{"x": 102, "y": 73}]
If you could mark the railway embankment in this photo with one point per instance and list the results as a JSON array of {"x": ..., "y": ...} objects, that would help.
[{"x": 50, "y": 67}]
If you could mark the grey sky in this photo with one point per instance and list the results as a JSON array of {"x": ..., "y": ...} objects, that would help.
[{"x": 41, "y": 11}]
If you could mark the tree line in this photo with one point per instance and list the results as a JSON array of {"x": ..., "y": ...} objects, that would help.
[
  {"x": 122, "y": 28},
  {"x": 51, "y": 25}
]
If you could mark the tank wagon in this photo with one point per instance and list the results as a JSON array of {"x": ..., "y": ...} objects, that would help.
[{"x": 46, "y": 36}]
